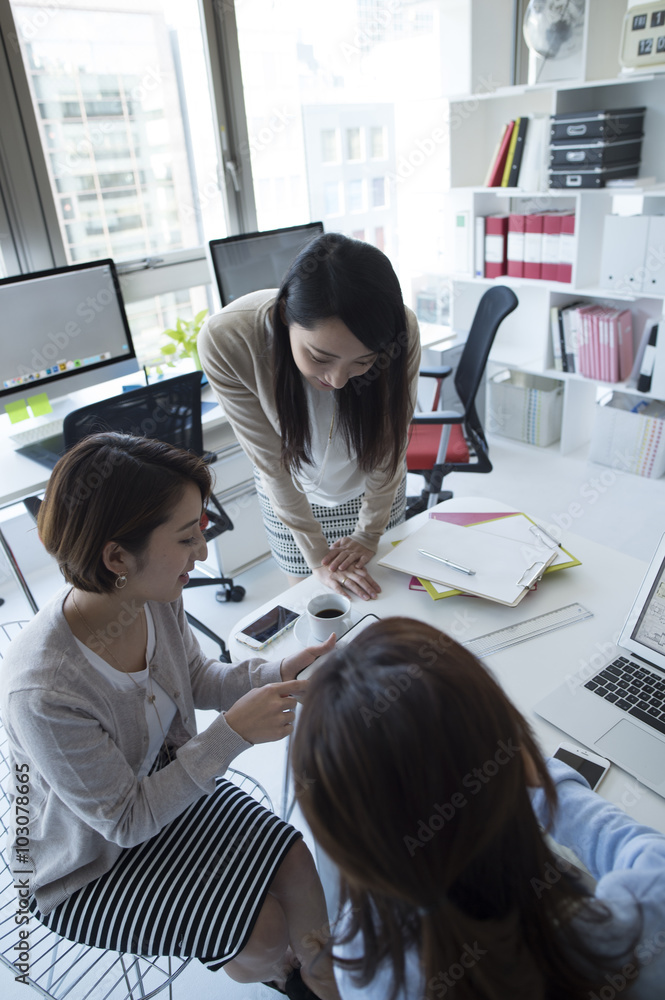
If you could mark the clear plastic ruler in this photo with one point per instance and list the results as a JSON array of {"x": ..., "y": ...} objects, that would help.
[{"x": 511, "y": 635}]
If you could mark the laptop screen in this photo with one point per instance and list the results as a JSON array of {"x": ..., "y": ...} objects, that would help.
[{"x": 644, "y": 630}]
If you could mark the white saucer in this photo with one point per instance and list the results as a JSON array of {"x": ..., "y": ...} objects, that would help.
[{"x": 303, "y": 634}]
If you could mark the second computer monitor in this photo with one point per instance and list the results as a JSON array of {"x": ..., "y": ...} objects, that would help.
[
  {"x": 62, "y": 330},
  {"x": 251, "y": 261}
]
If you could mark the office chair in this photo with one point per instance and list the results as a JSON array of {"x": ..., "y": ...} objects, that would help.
[
  {"x": 170, "y": 411},
  {"x": 443, "y": 441}
]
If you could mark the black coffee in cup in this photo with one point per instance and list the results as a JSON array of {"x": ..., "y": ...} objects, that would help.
[{"x": 329, "y": 613}]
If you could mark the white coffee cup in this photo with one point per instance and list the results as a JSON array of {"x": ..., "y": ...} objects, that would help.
[{"x": 328, "y": 613}]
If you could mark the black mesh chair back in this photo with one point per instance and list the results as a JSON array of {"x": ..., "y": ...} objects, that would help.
[
  {"x": 168, "y": 410},
  {"x": 494, "y": 306}
]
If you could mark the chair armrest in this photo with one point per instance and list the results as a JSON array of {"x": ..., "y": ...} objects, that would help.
[
  {"x": 438, "y": 417},
  {"x": 438, "y": 371}
]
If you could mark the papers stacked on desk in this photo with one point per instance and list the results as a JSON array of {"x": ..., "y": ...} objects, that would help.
[{"x": 499, "y": 559}]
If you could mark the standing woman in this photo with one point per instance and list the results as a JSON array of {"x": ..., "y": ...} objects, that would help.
[{"x": 319, "y": 381}]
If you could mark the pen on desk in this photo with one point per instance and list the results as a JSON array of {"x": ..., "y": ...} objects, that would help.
[{"x": 448, "y": 562}]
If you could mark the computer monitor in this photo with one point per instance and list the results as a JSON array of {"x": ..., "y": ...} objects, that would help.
[
  {"x": 252, "y": 261},
  {"x": 62, "y": 330}
]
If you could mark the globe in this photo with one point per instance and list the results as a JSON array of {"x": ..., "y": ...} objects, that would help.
[{"x": 554, "y": 29}]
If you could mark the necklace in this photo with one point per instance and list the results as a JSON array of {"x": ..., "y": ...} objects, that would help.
[
  {"x": 311, "y": 487},
  {"x": 149, "y": 694}
]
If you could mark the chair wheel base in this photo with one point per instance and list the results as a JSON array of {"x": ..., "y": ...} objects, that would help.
[
  {"x": 415, "y": 505},
  {"x": 235, "y": 593}
]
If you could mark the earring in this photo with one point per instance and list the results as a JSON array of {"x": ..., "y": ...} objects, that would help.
[{"x": 121, "y": 581}]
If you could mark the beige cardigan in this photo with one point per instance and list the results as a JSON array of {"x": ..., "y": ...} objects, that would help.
[{"x": 235, "y": 347}]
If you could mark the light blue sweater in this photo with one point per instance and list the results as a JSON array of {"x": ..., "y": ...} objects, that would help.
[{"x": 628, "y": 862}]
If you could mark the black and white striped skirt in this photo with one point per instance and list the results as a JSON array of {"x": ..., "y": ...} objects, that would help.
[
  {"x": 194, "y": 889},
  {"x": 336, "y": 522}
]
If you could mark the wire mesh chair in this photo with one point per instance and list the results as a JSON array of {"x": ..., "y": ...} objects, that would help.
[{"x": 58, "y": 968}]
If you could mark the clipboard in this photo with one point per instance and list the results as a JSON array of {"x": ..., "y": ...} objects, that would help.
[
  {"x": 565, "y": 559},
  {"x": 504, "y": 562}
]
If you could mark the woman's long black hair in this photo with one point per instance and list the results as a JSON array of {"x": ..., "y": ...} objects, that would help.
[
  {"x": 334, "y": 276},
  {"x": 409, "y": 762}
]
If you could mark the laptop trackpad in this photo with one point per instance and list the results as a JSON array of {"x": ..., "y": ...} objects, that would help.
[{"x": 639, "y": 751}]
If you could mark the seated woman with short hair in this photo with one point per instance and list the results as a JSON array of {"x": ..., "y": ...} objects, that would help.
[
  {"x": 137, "y": 843},
  {"x": 424, "y": 784}
]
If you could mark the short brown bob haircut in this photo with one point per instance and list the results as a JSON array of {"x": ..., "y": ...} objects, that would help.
[{"x": 112, "y": 487}]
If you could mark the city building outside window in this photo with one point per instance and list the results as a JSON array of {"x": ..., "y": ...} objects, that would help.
[
  {"x": 356, "y": 200},
  {"x": 372, "y": 74},
  {"x": 354, "y": 149}
]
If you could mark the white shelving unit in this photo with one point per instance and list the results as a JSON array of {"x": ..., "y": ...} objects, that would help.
[{"x": 524, "y": 339}]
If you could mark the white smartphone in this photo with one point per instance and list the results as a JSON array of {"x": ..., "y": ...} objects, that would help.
[
  {"x": 343, "y": 640},
  {"x": 268, "y": 627},
  {"x": 590, "y": 765}
]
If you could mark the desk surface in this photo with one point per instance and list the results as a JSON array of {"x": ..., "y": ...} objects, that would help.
[{"x": 605, "y": 584}]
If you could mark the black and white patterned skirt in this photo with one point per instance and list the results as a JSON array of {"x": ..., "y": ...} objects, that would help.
[
  {"x": 336, "y": 522},
  {"x": 194, "y": 889}
]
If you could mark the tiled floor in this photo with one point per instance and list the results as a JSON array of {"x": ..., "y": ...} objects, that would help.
[{"x": 623, "y": 511}]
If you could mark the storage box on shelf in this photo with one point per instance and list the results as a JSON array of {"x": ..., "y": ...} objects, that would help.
[
  {"x": 629, "y": 434},
  {"x": 590, "y": 148},
  {"x": 525, "y": 407},
  {"x": 524, "y": 340}
]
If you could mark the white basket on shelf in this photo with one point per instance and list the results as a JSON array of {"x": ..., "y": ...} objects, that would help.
[
  {"x": 629, "y": 434},
  {"x": 525, "y": 407}
]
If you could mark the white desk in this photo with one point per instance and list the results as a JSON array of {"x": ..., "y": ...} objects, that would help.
[{"x": 605, "y": 584}]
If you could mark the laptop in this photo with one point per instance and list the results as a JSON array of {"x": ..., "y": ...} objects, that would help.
[{"x": 619, "y": 711}]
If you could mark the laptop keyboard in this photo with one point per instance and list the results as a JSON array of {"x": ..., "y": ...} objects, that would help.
[{"x": 634, "y": 688}]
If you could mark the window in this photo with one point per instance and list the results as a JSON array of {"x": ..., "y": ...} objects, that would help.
[
  {"x": 353, "y": 144},
  {"x": 356, "y": 201},
  {"x": 148, "y": 318},
  {"x": 374, "y": 78},
  {"x": 378, "y": 192},
  {"x": 329, "y": 150},
  {"x": 379, "y": 238},
  {"x": 358, "y": 234},
  {"x": 377, "y": 142},
  {"x": 332, "y": 199},
  {"x": 122, "y": 103}
]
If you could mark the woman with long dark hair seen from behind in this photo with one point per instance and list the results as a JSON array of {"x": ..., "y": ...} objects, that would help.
[
  {"x": 424, "y": 784},
  {"x": 319, "y": 382}
]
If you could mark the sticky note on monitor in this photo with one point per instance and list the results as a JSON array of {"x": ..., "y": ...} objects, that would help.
[
  {"x": 40, "y": 405},
  {"x": 17, "y": 411}
]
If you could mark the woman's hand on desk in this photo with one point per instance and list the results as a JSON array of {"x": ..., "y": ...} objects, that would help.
[
  {"x": 343, "y": 569},
  {"x": 346, "y": 553},
  {"x": 292, "y": 665}
]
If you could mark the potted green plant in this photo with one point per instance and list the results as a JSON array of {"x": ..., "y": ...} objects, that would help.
[{"x": 184, "y": 339}]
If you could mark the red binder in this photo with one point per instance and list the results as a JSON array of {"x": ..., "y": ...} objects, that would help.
[
  {"x": 516, "y": 226},
  {"x": 496, "y": 249},
  {"x": 496, "y": 172}
]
